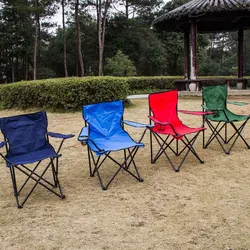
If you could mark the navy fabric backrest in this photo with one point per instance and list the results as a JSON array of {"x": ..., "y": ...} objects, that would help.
[
  {"x": 104, "y": 119},
  {"x": 25, "y": 133}
]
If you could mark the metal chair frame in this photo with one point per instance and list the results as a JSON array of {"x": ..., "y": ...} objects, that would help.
[
  {"x": 32, "y": 173},
  {"x": 221, "y": 126}
]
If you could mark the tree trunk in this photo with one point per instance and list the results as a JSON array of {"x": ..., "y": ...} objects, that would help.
[
  {"x": 101, "y": 22},
  {"x": 36, "y": 43},
  {"x": 64, "y": 42},
  {"x": 12, "y": 70},
  {"x": 78, "y": 32},
  {"x": 99, "y": 30},
  {"x": 35, "y": 52},
  {"x": 126, "y": 7},
  {"x": 26, "y": 67}
]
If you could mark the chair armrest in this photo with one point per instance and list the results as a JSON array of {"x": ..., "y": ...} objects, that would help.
[
  {"x": 163, "y": 124},
  {"x": 84, "y": 134},
  {"x": 84, "y": 137},
  {"x": 216, "y": 110},
  {"x": 61, "y": 136},
  {"x": 239, "y": 103},
  {"x": 158, "y": 122},
  {"x": 137, "y": 124},
  {"x": 206, "y": 108},
  {"x": 195, "y": 112},
  {"x": 2, "y": 144}
]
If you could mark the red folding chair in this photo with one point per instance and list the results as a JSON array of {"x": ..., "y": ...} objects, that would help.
[{"x": 168, "y": 127}]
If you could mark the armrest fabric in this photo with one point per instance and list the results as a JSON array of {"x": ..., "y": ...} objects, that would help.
[
  {"x": 84, "y": 134},
  {"x": 195, "y": 112},
  {"x": 157, "y": 121},
  {"x": 239, "y": 103},
  {"x": 61, "y": 136},
  {"x": 2, "y": 144},
  {"x": 137, "y": 124}
]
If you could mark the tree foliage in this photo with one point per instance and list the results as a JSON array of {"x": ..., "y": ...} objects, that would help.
[
  {"x": 120, "y": 65},
  {"x": 124, "y": 27}
]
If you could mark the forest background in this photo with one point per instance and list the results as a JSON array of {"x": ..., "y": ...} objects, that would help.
[{"x": 97, "y": 37}]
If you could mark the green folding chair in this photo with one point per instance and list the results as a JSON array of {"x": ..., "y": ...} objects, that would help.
[{"x": 214, "y": 98}]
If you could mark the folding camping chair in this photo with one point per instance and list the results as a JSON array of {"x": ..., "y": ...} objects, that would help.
[
  {"x": 104, "y": 134},
  {"x": 214, "y": 98},
  {"x": 163, "y": 112},
  {"x": 26, "y": 141}
]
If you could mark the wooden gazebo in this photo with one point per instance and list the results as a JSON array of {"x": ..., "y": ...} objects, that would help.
[{"x": 206, "y": 16}]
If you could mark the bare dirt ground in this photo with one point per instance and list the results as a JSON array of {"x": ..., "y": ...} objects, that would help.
[{"x": 204, "y": 206}]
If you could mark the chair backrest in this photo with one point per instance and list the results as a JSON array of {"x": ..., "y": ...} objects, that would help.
[
  {"x": 104, "y": 119},
  {"x": 215, "y": 97},
  {"x": 164, "y": 106},
  {"x": 25, "y": 133}
]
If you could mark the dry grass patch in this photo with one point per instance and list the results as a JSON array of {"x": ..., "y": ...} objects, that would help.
[{"x": 204, "y": 206}]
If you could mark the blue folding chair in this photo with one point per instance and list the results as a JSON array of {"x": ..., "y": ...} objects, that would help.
[
  {"x": 104, "y": 133},
  {"x": 26, "y": 141}
]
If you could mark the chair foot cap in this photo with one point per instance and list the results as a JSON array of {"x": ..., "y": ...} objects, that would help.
[
  {"x": 177, "y": 170},
  {"x": 19, "y": 206},
  {"x": 141, "y": 180},
  {"x": 228, "y": 153},
  {"x": 63, "y": 197},
  {"x": 202, "y": 162},
  {"x": 104, "y": 189}
]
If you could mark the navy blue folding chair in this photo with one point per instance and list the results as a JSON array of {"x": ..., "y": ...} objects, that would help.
[
  {"x": 26, "y": 141},
  {"x": 104, "y": 133}
]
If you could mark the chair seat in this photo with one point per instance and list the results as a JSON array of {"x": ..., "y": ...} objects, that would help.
[
  {"x": 226, "y": 116},
  {"x": 32, "y": 157},
  {"x": 115, "y": 143},
  {"x": 179, "y": 128}
]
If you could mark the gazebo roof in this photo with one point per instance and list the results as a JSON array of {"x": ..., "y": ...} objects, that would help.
[{"x": 211, "y": 15}]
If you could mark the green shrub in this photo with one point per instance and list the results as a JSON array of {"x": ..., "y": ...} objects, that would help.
[
  {"x": 62, "y": 93},
  {"x": 120, "y": 65},
  {"x": 150, "y": 83},
  {"x": 74, "y": 92}
]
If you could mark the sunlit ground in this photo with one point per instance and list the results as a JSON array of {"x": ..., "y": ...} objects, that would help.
[{"x": 204, "y": 206}]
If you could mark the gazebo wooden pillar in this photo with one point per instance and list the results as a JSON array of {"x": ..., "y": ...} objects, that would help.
[
  {"x": 186, "y": 56},
  {"x": 193, "y": 49}
]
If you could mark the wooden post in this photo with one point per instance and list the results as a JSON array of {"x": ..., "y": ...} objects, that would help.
[
  {"x": 186, "y": 55},
  {"x": 240, "y": 52},
  {"x": 193, "y": 49}
]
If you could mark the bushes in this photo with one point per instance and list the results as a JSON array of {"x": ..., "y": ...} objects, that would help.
[
  {"x": 64, "y": 93},
  {"x": 136, "y": 84},
  {"x": 72, "y": 93},
  {"x": 120, "y": 65}
]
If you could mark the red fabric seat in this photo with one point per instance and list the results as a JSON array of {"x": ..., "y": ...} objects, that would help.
[{"x": 181, "y": 129}]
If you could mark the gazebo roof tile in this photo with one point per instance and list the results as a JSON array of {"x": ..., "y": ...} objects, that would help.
[{"x": 199, "y": 8}]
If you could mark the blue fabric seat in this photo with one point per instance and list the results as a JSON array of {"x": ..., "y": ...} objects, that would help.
[
  {"x": 104, "y": 133},
  {"x": 114, "y": 143},
  {"x": 26, "y": 142},
  {"x": 47, "y": 152}
]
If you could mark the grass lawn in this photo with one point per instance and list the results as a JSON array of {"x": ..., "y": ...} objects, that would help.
[{"x": 204, "y": 206}]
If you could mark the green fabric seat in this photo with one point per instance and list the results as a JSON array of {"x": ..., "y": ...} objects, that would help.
[
  {"x": 226, "y": 116},
  {"x": 215, "y": 99}
]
